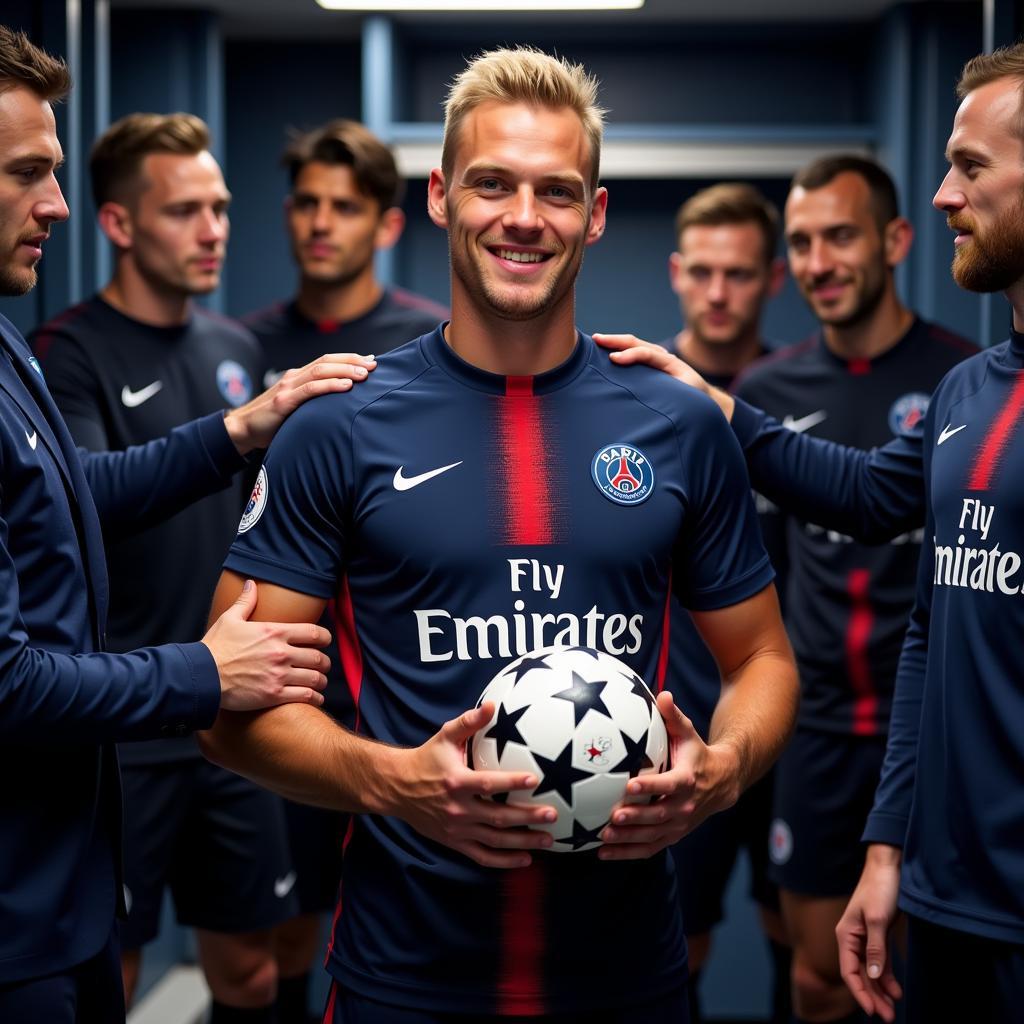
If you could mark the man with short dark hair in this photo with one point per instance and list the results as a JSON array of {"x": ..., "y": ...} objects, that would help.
[
  {"x": 64, "y": 701},
  {"x": 724, "y": 271},
  {"x": 342, "y": 209},
  {"x": 125, "y": 366}
]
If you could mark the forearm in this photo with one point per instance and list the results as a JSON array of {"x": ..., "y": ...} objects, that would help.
[
  {"x": 872, "y": 495},
  {"x": 303, "y": 754},
  {"x": 755, "y": 714}
]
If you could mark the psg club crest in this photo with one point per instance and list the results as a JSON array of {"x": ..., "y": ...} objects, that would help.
[
  {"x": 234, "y": 383},
  {"x": 906, "y": 417},
  {"x": 623, "y": 474},
  {"x": 257, "y": 503}
]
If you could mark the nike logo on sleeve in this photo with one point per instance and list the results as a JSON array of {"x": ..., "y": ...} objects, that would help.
[
  {"x": 798, "y": 426},
  {"x": 131, "y": 399},
  {"x": 947, "y": 433}
]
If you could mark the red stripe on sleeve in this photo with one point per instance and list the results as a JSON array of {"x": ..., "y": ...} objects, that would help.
[
  {"x": 858, "y": 664},
  {"x": 990, "y": 454},
  {"x": 347, "y": 640},
  {"x": 665, "y": 638}
]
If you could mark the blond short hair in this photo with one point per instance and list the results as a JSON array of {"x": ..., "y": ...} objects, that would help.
[
  {"x": 523, "y": 75},
  {"x": 1006, "y": 62},
  {"x": 115, "y": 163}
]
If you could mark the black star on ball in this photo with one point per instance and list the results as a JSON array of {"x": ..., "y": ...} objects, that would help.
[
  {"x": 636, "y": 757},
  {"x": 525, "y": 666},
  {"x": 581, "y": 836},
  {"x": 585, "y": 696},
  {"x": 641, "y": 690},
  {"x": 587, "y": 650},
  {"x": 559, "y": 775},
  {"x": 504, "y": 730}
]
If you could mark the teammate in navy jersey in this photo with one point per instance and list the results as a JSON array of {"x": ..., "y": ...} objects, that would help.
[
  {"x": 64, "y": 701},
  {"x": 124, "y": 367},
  {"x": 456, "y": 509},
  {"x": 343, "y": 208},
  {"x": 724, "y": 271},
  {"x": 865, "y": 377},
  {"x": 944, "y": 829}
]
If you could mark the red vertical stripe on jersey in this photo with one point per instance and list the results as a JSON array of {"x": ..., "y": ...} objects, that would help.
[
  {"x": 351, "y": 656},
  {"x": 526, "y": 508},
  {"x": 329, "y": 1011},
  {"x": 665, "y": 638},
  {"x": 349, "y": 651},
  {"x": 990, "y": 455},
  {"x": 858, "y": 665},
  {"x": 524, "y": 946},
  {"x": 523, "y": 467}
]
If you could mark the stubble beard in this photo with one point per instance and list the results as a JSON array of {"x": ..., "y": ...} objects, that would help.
[
  {"x": 17, "y": 282},
  {"x": 516, "y": 305}
]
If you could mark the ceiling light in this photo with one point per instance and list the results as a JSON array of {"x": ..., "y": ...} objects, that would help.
[{"x": 469, "y": 6}]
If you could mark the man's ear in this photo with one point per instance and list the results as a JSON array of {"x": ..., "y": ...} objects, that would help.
[
  {"x": 390, "y": 228},
  {"x": 437, "y": 198},
  {"x": 598, "y": 213},
  {"x": 675, "y": 268},
  {"x": 116, "y": 223},
  {"x": 899, "y": 236}
]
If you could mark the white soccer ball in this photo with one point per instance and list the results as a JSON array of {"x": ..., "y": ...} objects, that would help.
[{"x": 584, "y": 723}]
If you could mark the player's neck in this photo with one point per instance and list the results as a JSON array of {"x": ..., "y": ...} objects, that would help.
[
  {"x": 872, "y": 336},
  {"x": 721, "y": 360},
  {"x": 134, "y": 296},
  {"x": 1015, "y": 294},
  {"x": 321, "y": 300},
  {"x": 511, "y": 348}
]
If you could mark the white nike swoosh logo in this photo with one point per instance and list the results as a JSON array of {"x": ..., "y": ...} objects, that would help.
[
  {"x": 133, "y": 398},
  {"x": 947, "y": 433},
  {"x": 798, "y": 426},
  {"x": 283, "y": 886},
  {"x": 32, "y": 439},
  {"x": 407, "y": 483}
]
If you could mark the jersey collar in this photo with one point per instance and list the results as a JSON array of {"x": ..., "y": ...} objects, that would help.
[{"x": 438, "y": 352}]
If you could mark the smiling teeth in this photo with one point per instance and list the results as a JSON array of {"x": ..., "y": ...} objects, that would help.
[{"x": 520, "y": 257}]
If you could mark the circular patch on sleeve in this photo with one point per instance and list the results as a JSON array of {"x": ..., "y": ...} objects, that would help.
[
  {"x": 623, "y": 474},
  {"x": 906, "y": 417},
  {"x": 257, "y": 503},
  {"x": 233, "y": 382}
]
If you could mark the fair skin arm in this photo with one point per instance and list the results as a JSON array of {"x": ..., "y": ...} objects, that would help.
[
  {"x": 303, "y": 755},
  {"x": 629, "y": 350},
  {"x": 751, "y": 723},
  {"x": 863, "y": 933}
]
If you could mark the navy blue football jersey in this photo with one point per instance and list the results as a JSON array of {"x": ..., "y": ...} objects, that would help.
[
  {"x": 462, "y": 519},
  {"x": 846, "y": 604},
  {"x": 951, "y": 790},
  {"x": 951, "y": 782}
]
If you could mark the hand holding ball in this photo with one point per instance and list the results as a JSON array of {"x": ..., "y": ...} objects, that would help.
[{"x": 584, "y": 723}]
